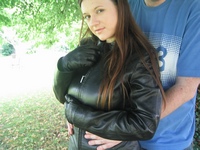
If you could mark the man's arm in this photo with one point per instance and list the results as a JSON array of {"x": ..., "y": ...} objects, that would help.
[{"x": 184, "y": 89}]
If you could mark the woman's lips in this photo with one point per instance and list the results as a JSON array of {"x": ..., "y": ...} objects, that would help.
[{"x": 98, "y": 31}]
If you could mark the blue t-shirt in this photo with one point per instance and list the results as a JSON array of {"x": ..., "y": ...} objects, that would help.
[{"x": 174, "y": 29}]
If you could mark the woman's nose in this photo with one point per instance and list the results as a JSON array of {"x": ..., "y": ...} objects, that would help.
[{"x": 93, "y": 21}]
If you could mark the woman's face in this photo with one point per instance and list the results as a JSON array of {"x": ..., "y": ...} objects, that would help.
[{"x": 101, "y": 17}]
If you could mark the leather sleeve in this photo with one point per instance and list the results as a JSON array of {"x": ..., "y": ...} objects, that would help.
[
  {"x": 137, "y": 122},
  {"x": 60, "y": 84},
  {"x": 62, "y": 79}
]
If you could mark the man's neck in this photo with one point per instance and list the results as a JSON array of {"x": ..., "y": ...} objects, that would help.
[{"x": 153, "y": 3}]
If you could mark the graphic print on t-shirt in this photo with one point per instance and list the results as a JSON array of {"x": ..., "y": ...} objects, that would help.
[{"x": 168, "y": 48}]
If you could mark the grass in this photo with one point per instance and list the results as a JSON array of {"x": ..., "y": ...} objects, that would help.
[
  {"x": 197, "y": 132},
  {"x": 33, "y": 121},
  {"x": 30, "y": 116}
]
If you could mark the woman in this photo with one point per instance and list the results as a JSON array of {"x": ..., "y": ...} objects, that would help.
[{"x": 110, "y": 84}]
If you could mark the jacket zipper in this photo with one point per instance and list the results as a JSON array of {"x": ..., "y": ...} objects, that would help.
[
  {"x": 81, "y": 86},
  {"x": 83, "y": 79}
]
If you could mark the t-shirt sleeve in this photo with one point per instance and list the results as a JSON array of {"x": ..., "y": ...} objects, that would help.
[{"x": 189, "y": 58}]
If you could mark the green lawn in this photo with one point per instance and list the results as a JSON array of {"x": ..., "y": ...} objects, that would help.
[
  {"x": 30, "y": 116},
  {"x": 31, "y": 122}
]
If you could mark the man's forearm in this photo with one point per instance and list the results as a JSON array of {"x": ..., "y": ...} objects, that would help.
[{"x": 184, "y": 90}]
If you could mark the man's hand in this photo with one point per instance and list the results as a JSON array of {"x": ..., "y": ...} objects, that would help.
[
  {"x": 70, "y": 128},
  {"x": 94, "y": 139},
  {"x": 103, "y": 143}
]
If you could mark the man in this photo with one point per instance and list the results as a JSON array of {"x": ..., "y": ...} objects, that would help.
[{"x": 173, "y": 27}]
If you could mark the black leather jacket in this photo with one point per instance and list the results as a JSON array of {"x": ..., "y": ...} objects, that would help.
[{"x": 128, "y": 120}]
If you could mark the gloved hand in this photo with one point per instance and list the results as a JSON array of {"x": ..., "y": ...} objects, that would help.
[{"x": 82, "y": 56}]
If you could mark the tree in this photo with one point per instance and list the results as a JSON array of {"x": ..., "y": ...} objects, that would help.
[
  {"x": 44, "y": 21},
  {"x": 4, "y": 19}
]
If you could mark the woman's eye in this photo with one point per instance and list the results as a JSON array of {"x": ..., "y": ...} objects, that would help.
[
  {"x": 99, "y": 11},
  {"x": 86, "y": 17}
]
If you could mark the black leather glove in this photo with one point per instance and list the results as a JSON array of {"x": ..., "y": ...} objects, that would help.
[{"x": 82, "y": 56}]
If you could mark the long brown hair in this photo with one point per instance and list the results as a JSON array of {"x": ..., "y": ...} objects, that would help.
[{"x": 129, "y": 39}]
